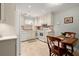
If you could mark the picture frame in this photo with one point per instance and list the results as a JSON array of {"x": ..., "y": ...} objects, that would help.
[{"x": 68, "y": 20}]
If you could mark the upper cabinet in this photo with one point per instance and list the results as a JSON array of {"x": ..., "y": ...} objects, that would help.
[
  {"x": 46, "y": 19},
  {"x": 8, "y": 13}
]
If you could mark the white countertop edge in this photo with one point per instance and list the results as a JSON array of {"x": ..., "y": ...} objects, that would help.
[{"x": 8, "y": 38}]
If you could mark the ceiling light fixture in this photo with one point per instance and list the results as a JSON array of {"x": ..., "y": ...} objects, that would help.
[
  {"x": 55, "y": 3},
  {"x": 29, "y": 6}
]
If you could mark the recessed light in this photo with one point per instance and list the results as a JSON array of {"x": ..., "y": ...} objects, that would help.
[{"x": 29, "y": 6}]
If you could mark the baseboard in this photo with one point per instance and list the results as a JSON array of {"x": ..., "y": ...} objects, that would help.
[
  {"x": 29, "y": 39},
  {"x": 42, "y": 41}
]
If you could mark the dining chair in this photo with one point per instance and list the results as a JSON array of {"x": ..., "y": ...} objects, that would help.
[
  {"x": 55, "y": 47},
  {"x": 70, "y": 34}
]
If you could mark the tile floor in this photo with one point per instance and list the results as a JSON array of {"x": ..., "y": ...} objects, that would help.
[{"x": 36, "y": 48}]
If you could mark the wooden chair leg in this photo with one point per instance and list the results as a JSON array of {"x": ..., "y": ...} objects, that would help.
[
  {"x": 49, "y": 52},
  {"x": 66, "y": 54},
  {"x": 70, "y": 54}
]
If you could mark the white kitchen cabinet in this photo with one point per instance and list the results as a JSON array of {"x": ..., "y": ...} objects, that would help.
[
  {"x": 27, "y": 35},
  {"x": 45, "y": 19}
]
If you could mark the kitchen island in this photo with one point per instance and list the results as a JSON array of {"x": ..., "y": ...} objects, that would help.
[{"x": 8, "y": 46}]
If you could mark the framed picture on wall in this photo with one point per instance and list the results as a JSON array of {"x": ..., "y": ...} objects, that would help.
[{"x": 68, "y": 20}]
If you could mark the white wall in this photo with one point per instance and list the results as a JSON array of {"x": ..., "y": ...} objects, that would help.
[
  {"x": 18, "y": 30},
  {"x": 59, "y": 25}
]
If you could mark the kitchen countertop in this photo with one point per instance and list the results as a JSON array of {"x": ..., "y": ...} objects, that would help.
[{"x": 8, "y": 38}]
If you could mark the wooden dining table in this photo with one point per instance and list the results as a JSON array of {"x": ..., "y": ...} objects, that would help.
[{"x": 71, "y": 42}]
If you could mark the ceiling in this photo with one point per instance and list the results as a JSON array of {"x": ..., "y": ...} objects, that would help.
[{"x": 38, "y": 9}]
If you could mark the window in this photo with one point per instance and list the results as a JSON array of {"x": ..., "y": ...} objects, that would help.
[{"x": 29, "y": 22}]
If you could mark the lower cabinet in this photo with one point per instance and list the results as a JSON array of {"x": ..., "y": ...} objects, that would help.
[{"x": 8, "y": 47}]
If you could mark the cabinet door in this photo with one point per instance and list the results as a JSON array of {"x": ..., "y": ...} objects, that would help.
[{"x": 8, "y": 47}]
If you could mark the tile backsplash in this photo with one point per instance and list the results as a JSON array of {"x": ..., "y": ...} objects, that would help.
[{"x": 7, "y": 30}]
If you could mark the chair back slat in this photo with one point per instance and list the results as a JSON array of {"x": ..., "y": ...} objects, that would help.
[
  {"x": 53, "y": 41},
  {"x": 54, "y": 46},
  {"x": 70, "y": 34}
]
